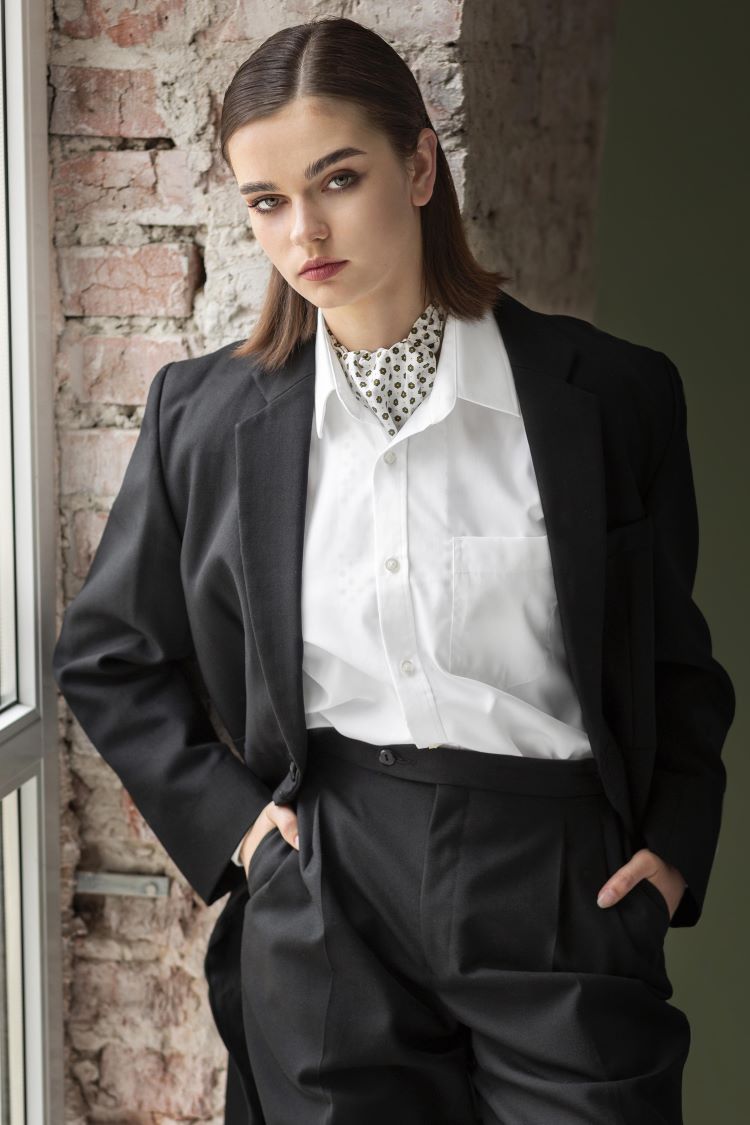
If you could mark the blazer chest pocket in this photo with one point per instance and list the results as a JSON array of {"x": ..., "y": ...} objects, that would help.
[{"x": 502, "y": 609}]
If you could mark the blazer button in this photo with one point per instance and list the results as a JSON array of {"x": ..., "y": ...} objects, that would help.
[
  {"x": 293, "y": 771},
  {"x": 285, "y": 791},
  {"x": 386, "y": 756}
]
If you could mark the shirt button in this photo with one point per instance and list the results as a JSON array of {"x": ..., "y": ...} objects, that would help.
[
  {"x": 386, "y": 756},
  {"x": 392, "y": 564},
  {"x": 407, "y": 666},
  {"x": 390, "y": 456}
]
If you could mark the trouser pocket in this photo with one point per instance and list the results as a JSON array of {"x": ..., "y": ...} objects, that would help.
[
  {"x": 266, "y": 856},
  {"x": 625, "y": 939}
]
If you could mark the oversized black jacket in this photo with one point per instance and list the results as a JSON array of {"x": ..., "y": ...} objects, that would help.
[{"x": 200, "y": 563}]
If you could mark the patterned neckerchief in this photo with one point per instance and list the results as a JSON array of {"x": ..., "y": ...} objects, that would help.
[{"x": 393, "y": 381}]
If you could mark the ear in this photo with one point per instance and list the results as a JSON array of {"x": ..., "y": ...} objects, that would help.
[{"x": 423, "y": 167}]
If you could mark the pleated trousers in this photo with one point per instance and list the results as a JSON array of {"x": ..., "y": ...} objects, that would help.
[{"x": 434, "y": 955}]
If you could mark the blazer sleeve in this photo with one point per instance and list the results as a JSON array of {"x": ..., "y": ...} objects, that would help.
[
  {"x": 695, "y": 699},
  {"x": 118, "y": 662}
]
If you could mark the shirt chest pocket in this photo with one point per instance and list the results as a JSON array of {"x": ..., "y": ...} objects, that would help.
[{"x": 502, "y": 609}]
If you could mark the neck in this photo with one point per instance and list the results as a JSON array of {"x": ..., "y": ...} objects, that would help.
[{"x": 358, "y": 329}]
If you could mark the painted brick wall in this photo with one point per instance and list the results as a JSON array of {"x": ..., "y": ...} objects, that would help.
[{"x": 154, "y": 260}]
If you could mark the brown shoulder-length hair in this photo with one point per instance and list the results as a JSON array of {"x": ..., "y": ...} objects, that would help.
[{"x": 334, "y": 57}]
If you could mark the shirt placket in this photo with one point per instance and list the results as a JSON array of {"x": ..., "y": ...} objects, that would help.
[{"x": 393, "y": 586}]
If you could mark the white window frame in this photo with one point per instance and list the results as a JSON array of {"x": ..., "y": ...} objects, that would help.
[{"x": 29, "y": 777}]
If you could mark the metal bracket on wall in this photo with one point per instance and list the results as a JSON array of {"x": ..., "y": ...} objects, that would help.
[{"x": 116, "y": 883}]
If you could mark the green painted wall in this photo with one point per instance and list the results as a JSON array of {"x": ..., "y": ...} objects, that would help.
[{"x": 672, "y": 272}]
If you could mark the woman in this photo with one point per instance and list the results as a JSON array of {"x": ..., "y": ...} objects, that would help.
[{"x": 433, "y": 554}]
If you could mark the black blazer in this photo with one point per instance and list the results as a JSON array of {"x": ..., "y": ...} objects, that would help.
[{"x": 200, "y": 562}]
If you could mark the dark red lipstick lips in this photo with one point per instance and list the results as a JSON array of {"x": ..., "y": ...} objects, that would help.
[{"x": 324, "y": 268}]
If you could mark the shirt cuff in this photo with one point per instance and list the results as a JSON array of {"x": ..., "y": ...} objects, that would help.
[{"x": 236, "y": 853}]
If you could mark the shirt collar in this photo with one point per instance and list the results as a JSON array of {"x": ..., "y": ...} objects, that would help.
[{"x": 473, "y": 364}]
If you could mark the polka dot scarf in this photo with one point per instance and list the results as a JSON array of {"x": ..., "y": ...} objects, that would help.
[{"x": 393, "y": 381}]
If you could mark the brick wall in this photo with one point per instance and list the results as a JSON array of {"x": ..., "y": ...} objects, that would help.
[{"x": 155, "y": 261}]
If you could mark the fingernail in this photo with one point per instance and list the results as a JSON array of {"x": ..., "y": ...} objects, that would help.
[
  {"x": 296, "y": 841},
  {"x": 606, "y": 898}
]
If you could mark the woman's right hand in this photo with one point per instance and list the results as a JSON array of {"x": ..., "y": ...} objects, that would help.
[{"x": 270, "y": 817}]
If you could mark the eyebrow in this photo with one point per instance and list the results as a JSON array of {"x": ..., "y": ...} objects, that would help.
[{"x": 311, "y": 171}]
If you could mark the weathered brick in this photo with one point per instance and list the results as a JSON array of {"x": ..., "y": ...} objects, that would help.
[
  {"x": 86, "y": 529},
  {"x": 158, "y": 279},
  {"x": 126, "y": 24},
  {"x": 237, "y": 21},
  {"x": 93, "y": 101},
  {"x": 113, "y": 369},
  {"x": 158, "y": 1082},
  {"x": 94, "y": 461},
  {"x": 176, "y": 184},
  {"x": 144, "y": 187}
]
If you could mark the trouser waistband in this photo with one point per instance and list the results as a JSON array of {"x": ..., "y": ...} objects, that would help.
[{"x": 458, "y": 766}]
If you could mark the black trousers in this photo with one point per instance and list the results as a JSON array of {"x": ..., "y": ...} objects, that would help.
[{"x": 434, "y": 955}]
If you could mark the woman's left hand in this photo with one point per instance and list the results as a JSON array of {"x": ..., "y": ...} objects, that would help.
[{"x": 644, "y": 864}]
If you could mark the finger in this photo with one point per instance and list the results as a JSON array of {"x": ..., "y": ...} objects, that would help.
[
  {"x": 621, "y": 882},
  {"x": 286, "y": 822}
]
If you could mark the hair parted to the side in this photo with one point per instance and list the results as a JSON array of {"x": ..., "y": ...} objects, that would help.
[{"x": 334, "y": 57}]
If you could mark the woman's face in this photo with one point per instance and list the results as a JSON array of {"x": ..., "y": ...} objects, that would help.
[{"x": 361, "y": 206}]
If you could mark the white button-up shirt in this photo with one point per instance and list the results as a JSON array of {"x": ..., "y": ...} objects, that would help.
[{"x": 429, "y": 613}]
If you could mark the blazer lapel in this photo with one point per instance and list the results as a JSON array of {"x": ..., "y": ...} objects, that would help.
[
  {"x": 272, "y": 450},
  {"x": 564, "y": 434},
  {"x": 563, "y": 429}
]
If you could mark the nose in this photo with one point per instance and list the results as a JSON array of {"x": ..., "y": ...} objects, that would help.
[{"x": 307, "y": 227}]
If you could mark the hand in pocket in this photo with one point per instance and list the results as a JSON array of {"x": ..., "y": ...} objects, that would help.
[
  {"x": 270, "y": 817},
  {"x": 643, "y": 865}
]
